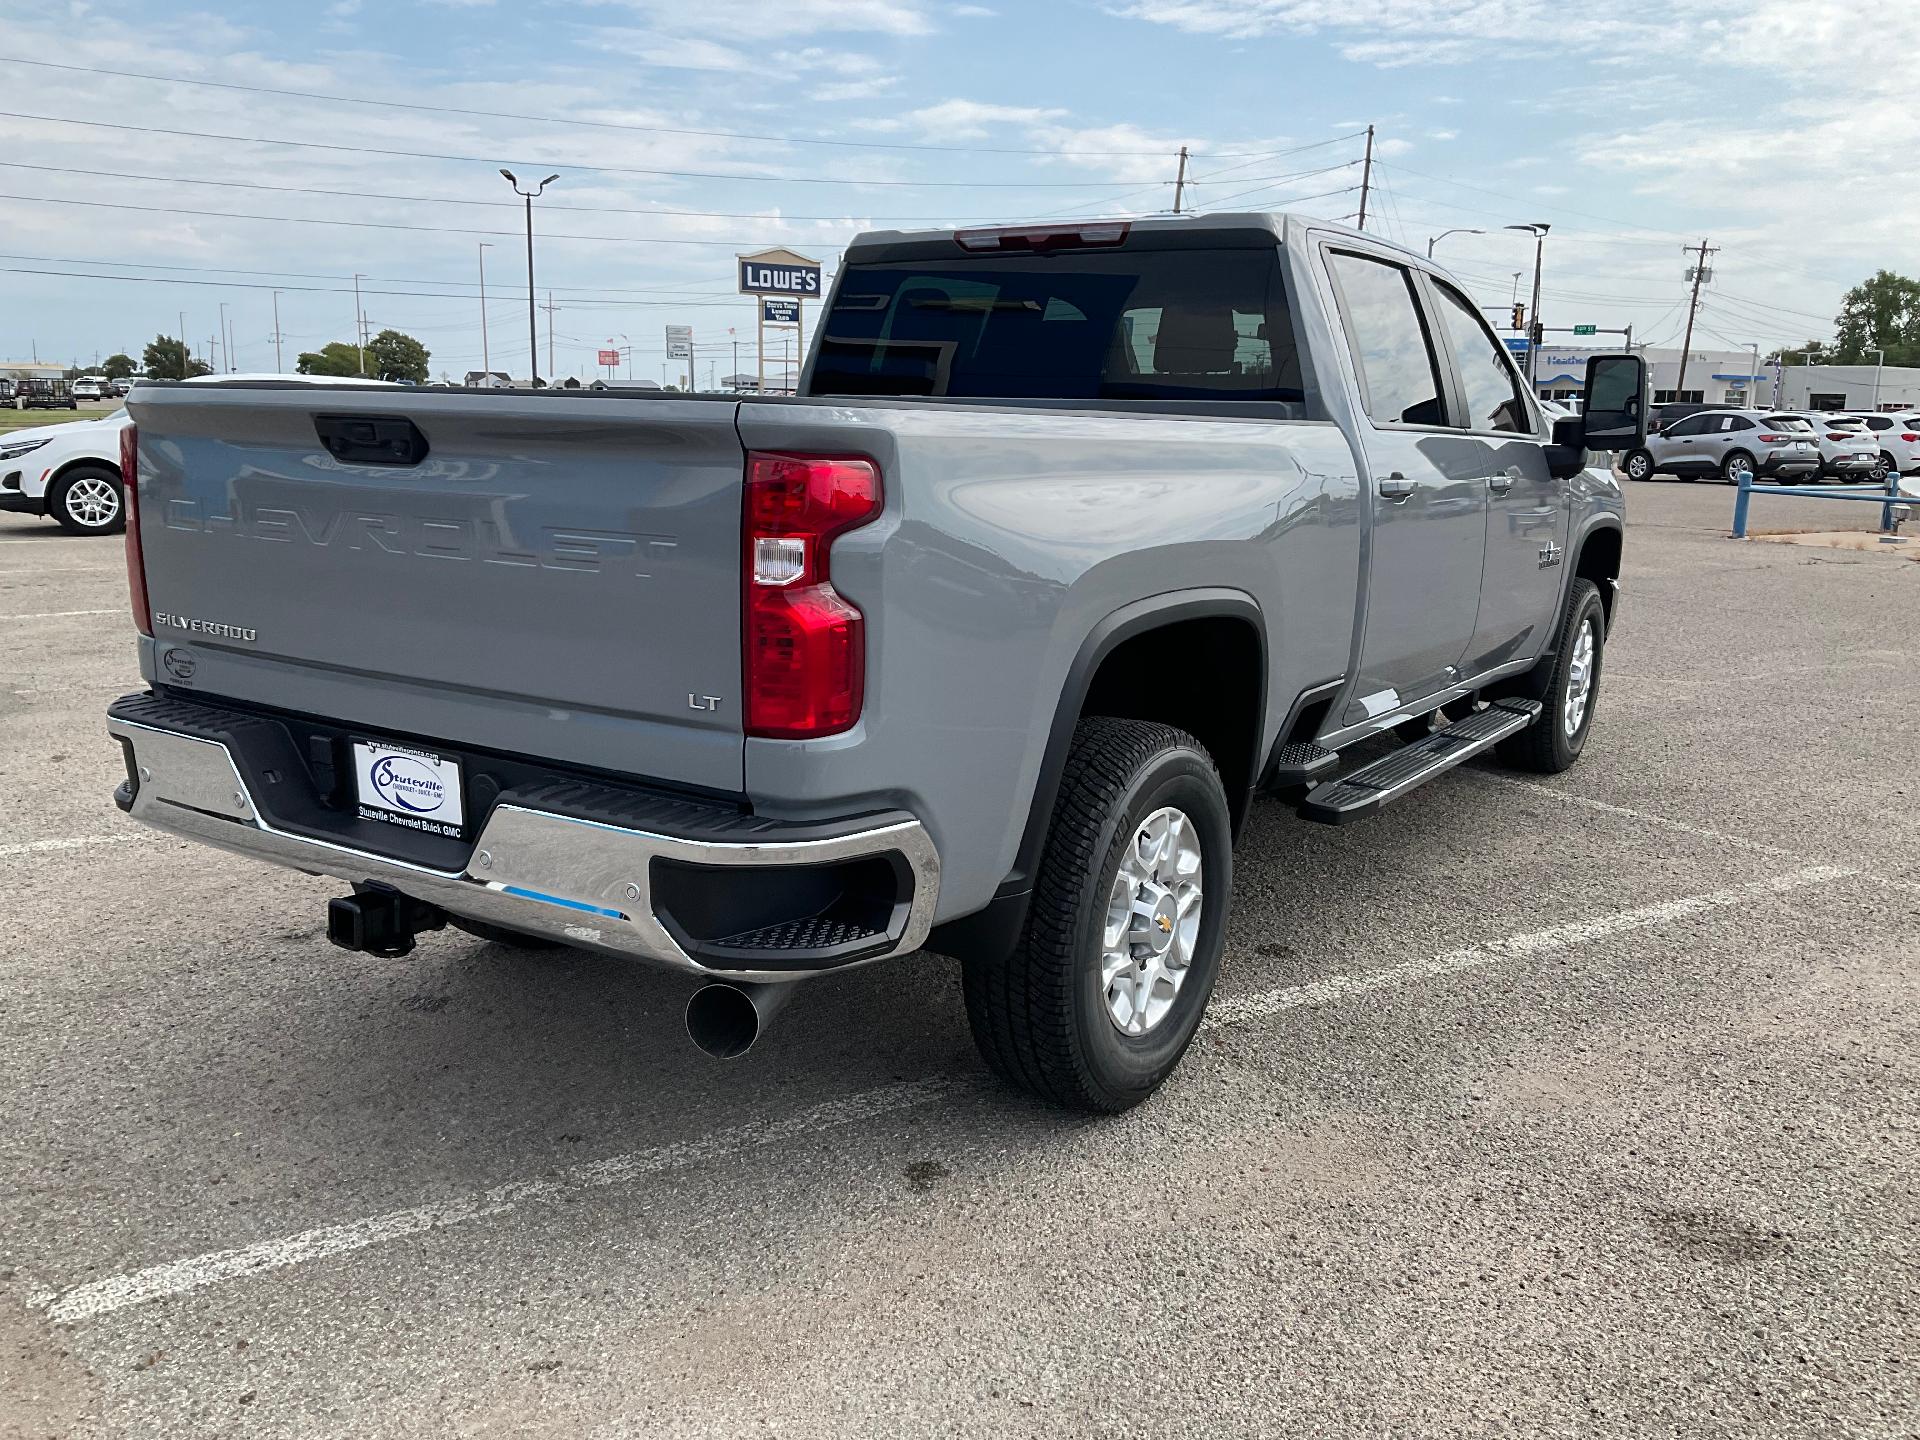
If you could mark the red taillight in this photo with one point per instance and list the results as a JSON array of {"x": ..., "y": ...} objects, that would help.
[
  {"x": 1838, "y": 435},
  {"x": 1094, "y": 236},
  {"x": 130, "y": 501},
  {"x": 1774, "y": 439},
  {"x": 804, "y": 645},
  {"x": 1911, "y": 439}
]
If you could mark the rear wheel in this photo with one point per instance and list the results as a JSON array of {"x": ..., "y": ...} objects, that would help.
[
  {"x": 1737, "y": 467},
  {"x": 86, "y": 501},
  {"x": 1106, "y": 987},
  {"x": 1555, "y": 740}
]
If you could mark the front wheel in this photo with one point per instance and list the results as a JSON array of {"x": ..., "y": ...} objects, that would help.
[
  {"x": 1638, "y": 465},
  {"x": 86, "y": 501},
  {"x": 1105, "y": 989},
  {"x": 1554, "y": 741},
  {"x": 1881, "y": 470}
]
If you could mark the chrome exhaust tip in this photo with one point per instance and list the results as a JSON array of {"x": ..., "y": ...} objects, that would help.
[{"x": 725, "y": 1018}]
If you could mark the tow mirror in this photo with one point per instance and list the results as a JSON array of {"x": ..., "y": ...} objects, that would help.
[{"x": 1614, "y": 416}]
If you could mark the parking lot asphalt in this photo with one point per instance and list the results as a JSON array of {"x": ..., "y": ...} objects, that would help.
[{"x": 1581, "y": 1106}]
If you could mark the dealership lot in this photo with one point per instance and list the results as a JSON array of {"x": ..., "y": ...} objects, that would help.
[{"x": 1579, "y": 1107}]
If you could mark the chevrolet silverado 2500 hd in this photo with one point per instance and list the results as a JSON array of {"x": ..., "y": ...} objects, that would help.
[{"x": 1076, "y": 538}]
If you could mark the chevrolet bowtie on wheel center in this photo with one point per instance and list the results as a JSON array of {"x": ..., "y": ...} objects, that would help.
[{"x": 1076, "y": 538}]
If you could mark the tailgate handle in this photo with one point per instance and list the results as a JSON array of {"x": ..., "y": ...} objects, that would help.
[{"x": 371, "y": 439}]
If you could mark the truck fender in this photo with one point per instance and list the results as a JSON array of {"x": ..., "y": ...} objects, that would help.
[{"x": 997, "y": 928}]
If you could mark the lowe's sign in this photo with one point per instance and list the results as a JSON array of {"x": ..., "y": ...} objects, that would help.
[
  {"x": 761, "y": 276},
  {"x": 780, "y": 312}
]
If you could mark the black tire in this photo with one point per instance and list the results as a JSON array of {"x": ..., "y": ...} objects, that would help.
[
  {"x": 79, "y": 501},
  {"x": 1886, "y": 466},
  {"x": 499, "y": 935},
  {"x": 1639, "y": 460},
  {"x": 1039, "y": 1014},
  {"x": 1733, "y": 464},
  {"x": 1545, "y": 747}
]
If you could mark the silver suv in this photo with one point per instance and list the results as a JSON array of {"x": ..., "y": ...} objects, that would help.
[{"x": 1726, "y": 444}]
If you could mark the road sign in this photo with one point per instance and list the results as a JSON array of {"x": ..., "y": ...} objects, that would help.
[
  {"x": 779, "y": 272},
  {"x": 780, "y": 312},
  {"x": 609, "y": 358},
  {"x": 1517, "y": 344},
  {"x": 680, "y": 342},
  {"x": 1586, "y": 329}
]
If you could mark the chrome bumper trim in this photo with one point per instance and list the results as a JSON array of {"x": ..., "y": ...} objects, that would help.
[{"x": 581, "y": 882}]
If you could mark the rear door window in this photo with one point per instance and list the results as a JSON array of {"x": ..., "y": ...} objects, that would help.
[
  {"x": 1399, "y": 375},
  {"x": 1076, "y": 325}
]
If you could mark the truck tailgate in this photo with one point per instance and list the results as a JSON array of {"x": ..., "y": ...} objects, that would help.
[{"x": 549, "y": 559}]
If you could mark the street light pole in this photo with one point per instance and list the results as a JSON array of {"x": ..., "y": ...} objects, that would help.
[
  {"x": 279, "y": 365},
  {"x": 486, "y": 357},
  {"x": 1534, "y": 331},
  {"x": 359, "y": 327},
  {"x": 1435, "y": 240},
  {"x": 1879, "y": 362},
  {"x": 533, "y": 329}
]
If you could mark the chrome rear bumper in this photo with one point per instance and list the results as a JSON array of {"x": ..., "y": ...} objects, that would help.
[{"x": 581, "y": 882}]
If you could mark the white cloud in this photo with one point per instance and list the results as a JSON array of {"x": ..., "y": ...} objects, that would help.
[
  {"x": 1392, "y": 146},
  {"x": 867, "y": 89},
  {"x": 782, "y": 19},
  {"x": 971, "y": 119},
  {"x": 1443, "y": 134}
]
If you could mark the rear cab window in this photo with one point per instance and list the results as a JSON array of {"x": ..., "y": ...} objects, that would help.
[
  {"x": 1075, "y": 324},
  {"x": 1399, "y": 369}
]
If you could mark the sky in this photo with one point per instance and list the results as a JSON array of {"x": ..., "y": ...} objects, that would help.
[{"x": 165, "y": 158}]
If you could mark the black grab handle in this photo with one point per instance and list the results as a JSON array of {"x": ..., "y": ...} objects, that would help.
[{"x": 371, "y": 439}]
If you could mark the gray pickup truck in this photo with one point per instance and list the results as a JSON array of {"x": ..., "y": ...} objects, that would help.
[{"x": 1077, "y": 538}]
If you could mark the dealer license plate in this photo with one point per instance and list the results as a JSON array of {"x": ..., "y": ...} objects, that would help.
[{"x": 407, "y": 787}]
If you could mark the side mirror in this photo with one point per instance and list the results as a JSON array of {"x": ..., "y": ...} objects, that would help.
[{"x": 1615, "y": 414}]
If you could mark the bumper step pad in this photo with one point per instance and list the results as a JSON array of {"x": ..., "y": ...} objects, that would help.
[{"x": 1355, "y": 796}]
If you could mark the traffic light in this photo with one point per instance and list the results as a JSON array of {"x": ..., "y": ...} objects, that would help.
[{"x": 1519, "y": 317}]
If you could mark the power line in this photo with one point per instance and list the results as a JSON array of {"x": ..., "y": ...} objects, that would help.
[
  {"x": 446, "y": 200},
  {"x": 340, "y": 149},
  {"x": 623, "y": 125},
  {"x": 363, "y": 224},
  {"x": 580, "y": 302}
]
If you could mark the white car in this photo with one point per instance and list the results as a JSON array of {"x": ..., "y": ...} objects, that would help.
[
  {"x": 71, "y": 473},
  {"x": 1898, "y": 436},
  {"x": 92, "y": 387}
]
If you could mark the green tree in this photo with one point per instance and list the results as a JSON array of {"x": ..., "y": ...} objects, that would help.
[
  {"x": 118, "y": 367},
  {"x": 167, "y": 359},
  {"x": 336, "y": 357},
  {"x": 1882, "y": 314},
  {"x": 392, "y": 355}
]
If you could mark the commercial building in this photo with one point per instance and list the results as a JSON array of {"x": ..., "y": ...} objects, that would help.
[
  {"x": 1714, "y": 377},
  {"x": 1850, "y": 387},
  {"x": 30, "y": 370}
]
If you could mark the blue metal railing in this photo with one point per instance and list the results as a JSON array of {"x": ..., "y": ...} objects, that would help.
[{"x": 1886, "y": 498}]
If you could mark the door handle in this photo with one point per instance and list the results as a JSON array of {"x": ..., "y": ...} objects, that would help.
[
  {"x": 1501, "y": 481},
  {"x": 1395, "y": 487}
]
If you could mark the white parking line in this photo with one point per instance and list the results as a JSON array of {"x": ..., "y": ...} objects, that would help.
[
  {"x": 1235, "y": 1009},
  {"x": 62, "y": 614},
  {"x": 73, "y": 842},
  {"x": 178, "y": 1277},
  {"x": 1720, "y": 837}
]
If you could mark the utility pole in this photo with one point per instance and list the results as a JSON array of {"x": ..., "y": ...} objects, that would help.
[
  {"x": 1366, "y": 178},
  {"x": 1693, "y": 306},
  {"x": 186, "y": 355},
  {"x": 1180, "y": 180},
  {"x": 279, "y": 364},
  {"x": 550, "y": 307},
  {"x": 359, "y": 326},
  {"x": 486, "y": 360}
]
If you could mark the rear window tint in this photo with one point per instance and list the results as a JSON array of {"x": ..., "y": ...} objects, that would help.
[{"x": 1111, "y": 325}]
